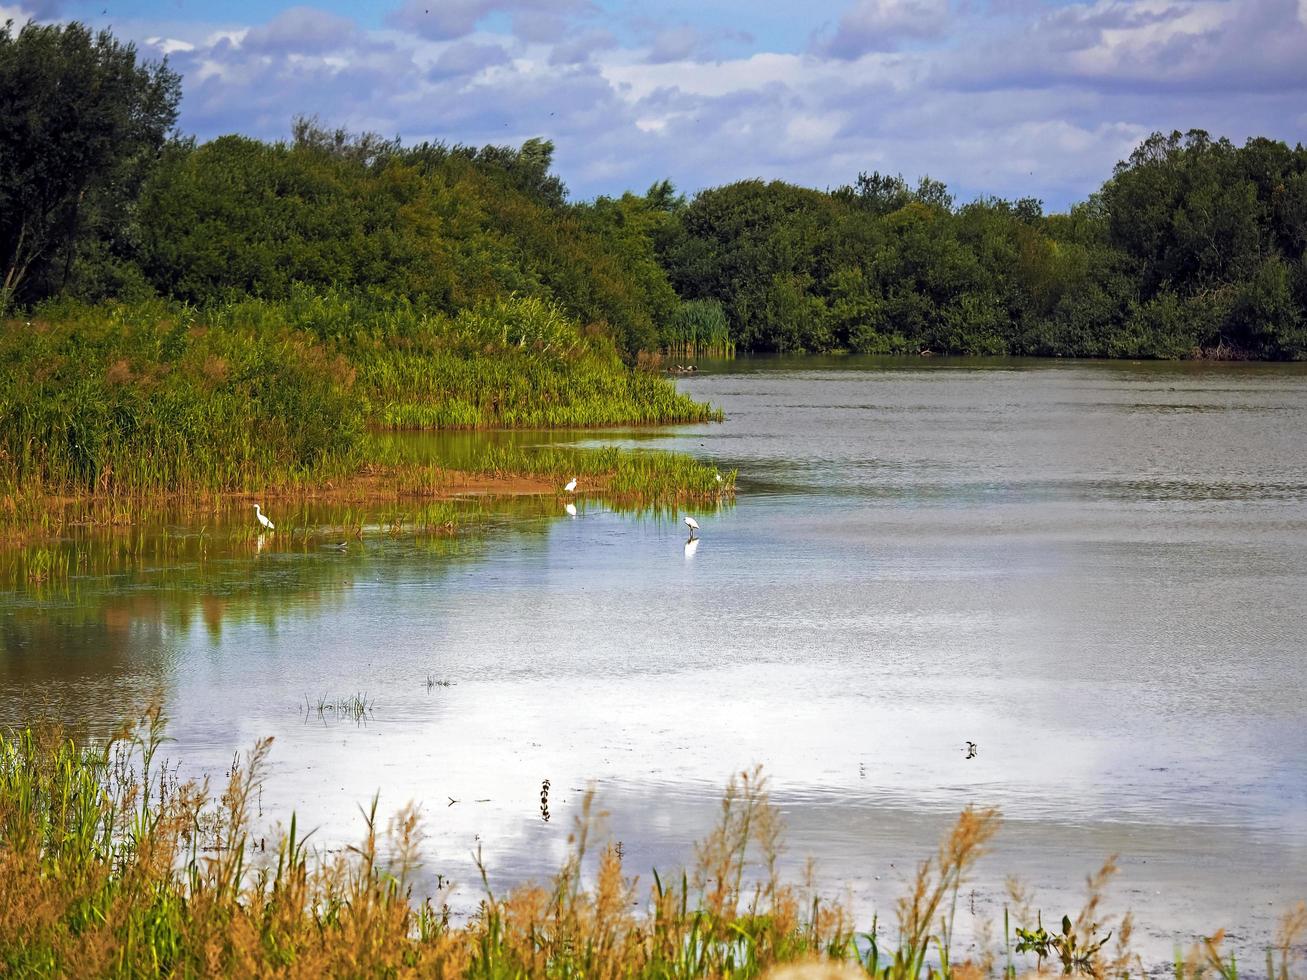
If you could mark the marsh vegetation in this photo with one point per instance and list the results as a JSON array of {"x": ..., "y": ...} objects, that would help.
[{"x": 112, "y": 866}]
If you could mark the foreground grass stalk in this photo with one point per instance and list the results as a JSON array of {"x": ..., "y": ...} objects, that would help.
[{"x": 111, "y": 867}]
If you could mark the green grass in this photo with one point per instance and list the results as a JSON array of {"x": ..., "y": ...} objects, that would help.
[
  {"x": 699, "y": 328},
  {"x": 508, "y": 362},
  {"x": 148, "y": 398},
  {"x": 131, "y": 401}
]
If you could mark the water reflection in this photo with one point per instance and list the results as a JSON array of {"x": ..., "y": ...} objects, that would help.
[{"x": 1044, "y": 559}]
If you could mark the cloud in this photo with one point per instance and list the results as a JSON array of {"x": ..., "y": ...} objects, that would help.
[
  {"x": 20, "y": 14},
  {"x": 302, "y": 30},
  {"x": 467, "y": 58},
  {"x": 583, "y": 47},
  {"x": 1146, "y": 46},
  {"x": 447, "y": 20},
  {"x": 441, "y": 20},
  {"x": 881, "y": 25},
  {"x": 544, "y": 26},
  {"x": 1008, "y": 97}
]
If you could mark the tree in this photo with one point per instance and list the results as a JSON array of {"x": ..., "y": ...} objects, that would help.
[{"x": 80, "y": 120}]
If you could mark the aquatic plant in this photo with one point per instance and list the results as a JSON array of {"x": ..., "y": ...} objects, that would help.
[
  {"x": 355, "y": 707},
  {"x": 699, "y": 328}
]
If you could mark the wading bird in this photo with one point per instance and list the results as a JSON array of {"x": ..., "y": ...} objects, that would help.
[
  {"x": 693, "y": 525},
  {"x": 571, "y": 485},
  {"x": 263, "y": 519}
]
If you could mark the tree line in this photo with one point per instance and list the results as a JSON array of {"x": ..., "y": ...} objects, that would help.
[{"x": 1192, "y": 247}]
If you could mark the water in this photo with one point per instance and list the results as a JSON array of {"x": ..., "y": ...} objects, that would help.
[{"x": 1094, "y": 571}]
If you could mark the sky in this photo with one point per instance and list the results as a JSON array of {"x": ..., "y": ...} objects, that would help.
[{"x": 1012, "y": 98}]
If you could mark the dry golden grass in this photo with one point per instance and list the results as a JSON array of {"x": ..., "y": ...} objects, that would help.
[{"x": 110, "y": 867}]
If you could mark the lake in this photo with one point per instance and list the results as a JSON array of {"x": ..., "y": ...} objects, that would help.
[{"x": 1094, "y": 571}]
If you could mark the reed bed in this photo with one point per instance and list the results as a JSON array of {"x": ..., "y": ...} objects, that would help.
[
  {"x": 109, "y": 866},
  {"x": 120, "y": 404},
  {"x": 514, "y": 361},
  {"x": 699, "y": 329}
]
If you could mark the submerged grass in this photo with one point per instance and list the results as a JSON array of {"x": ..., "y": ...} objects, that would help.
[
  {"x": 356, "y": 708},
  {"x": 109, "y": 867}
]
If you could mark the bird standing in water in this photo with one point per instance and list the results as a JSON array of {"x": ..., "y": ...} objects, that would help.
[
  {"x": 693, "y": 525},
  {"x": 263, "y": 519},
  {"x": 571, "y": 485}
]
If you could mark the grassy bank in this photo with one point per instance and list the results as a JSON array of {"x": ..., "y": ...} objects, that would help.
[
  {"x": 279, "y": 398},
  {"x": 110, "y": 867}
]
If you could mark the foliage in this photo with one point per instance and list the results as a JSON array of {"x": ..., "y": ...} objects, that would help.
[
  {"x": 1193, "y": 248},
  {"x": 441, "y": 228},
  {"x": 80, "y": 124}
]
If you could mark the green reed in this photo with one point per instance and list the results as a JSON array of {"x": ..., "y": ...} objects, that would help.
[
  {"x": 699, "y": 328},
  {"x": 120, "y": 402}
]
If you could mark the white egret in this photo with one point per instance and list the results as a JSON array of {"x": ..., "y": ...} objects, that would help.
[
  {"x": 263, "y": 519},
  {"x": 693, "y": 525},
  {"x": 570, "y": 508},
  {"x": 571, "y": 486},
  {"x": 719, "y": 477}
]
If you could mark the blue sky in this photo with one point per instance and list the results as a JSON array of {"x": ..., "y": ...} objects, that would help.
[{"x": 1006, "y": 97}]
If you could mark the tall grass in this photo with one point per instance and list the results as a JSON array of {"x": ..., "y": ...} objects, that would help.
[
  {"x": 699, "y": 328},
  {"x": 123, "y": 401},
  {"x": 147, "y": 398},
  {"x": 514, "y": 361},
  {"x": 111, "y": 867}
]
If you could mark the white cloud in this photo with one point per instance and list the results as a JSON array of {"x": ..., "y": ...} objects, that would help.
[
  {"x": 1011, "y": 97},
  {"x": 169, "y": 45},
  {"x": 881, "y": 25}
]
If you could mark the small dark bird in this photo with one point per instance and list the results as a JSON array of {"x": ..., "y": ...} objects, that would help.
[{"x": 971, "y": 750}]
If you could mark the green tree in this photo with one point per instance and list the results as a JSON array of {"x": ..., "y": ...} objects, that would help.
[{"x": 80, "y": 121}]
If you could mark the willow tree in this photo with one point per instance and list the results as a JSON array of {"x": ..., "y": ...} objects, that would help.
[{"x": 81, "y": 119}]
